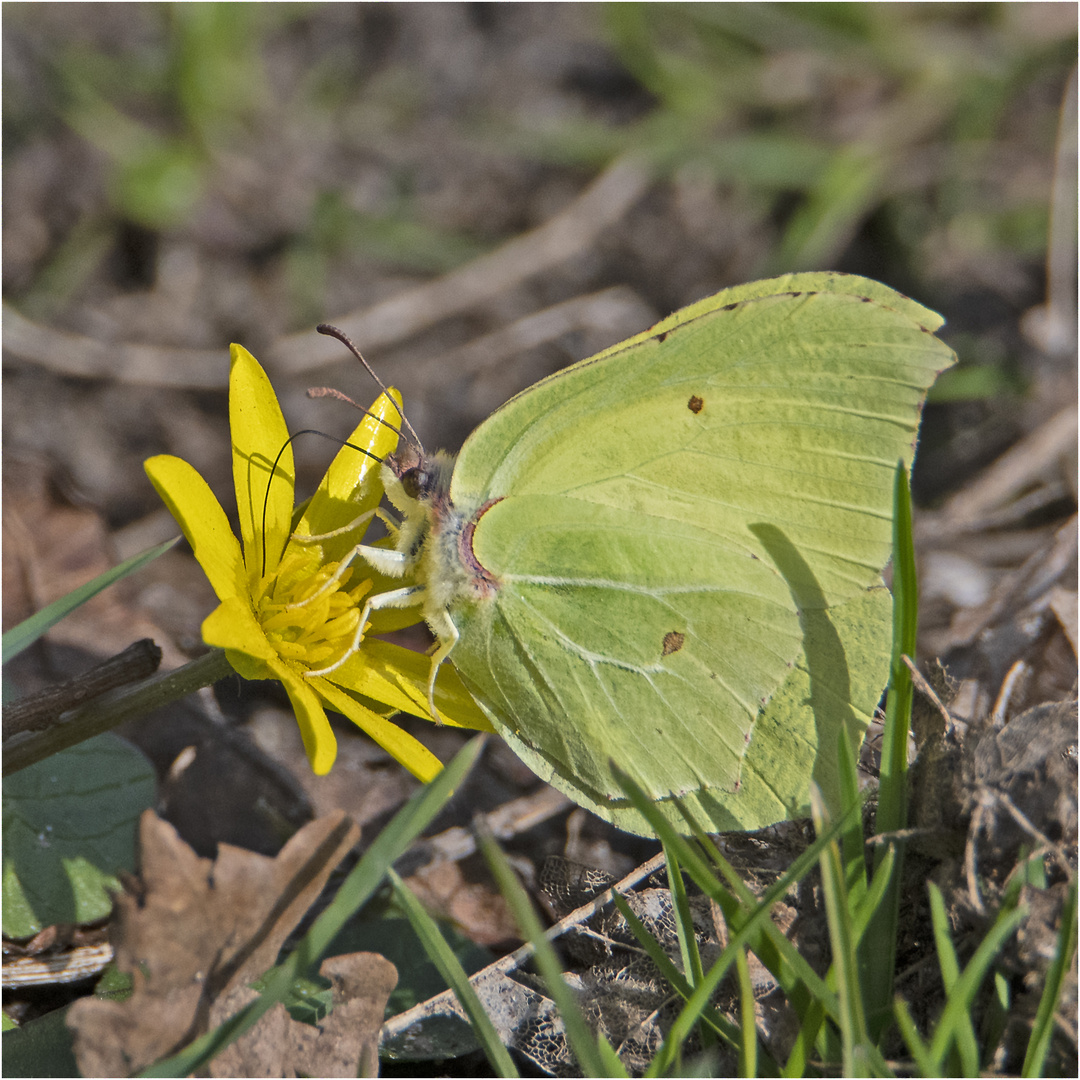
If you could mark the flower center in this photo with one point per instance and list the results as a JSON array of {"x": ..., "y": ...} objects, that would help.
[{"x": 302, "y": 626}]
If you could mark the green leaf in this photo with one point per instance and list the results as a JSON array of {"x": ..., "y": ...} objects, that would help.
[
  {"x": 69, "y": 826},
  {"x": 40, "y": 1048}
]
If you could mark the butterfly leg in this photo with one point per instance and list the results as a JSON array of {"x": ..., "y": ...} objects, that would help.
[
  {"x": 446, "y": 633},
  {"x": 410, "y": 596},
  {"x": 386, "y": 561},
  {"x": 391, "y": 524},
  {"x": 374, "y": 556}
]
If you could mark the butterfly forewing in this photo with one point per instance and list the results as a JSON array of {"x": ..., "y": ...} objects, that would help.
[{"x": 684, "y": 527}]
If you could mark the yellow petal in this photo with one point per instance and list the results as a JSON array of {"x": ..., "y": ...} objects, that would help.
[
  {"x": 398, "y": 677},
  {"x": 233, "y": 627},
  {"x": 352, "y": 485},
  {"x": 319, "y": 740},
  {"x": 262, "y": 464},
  {"x": 205, "y": 525},
  {"x": 399, "y": 744}
]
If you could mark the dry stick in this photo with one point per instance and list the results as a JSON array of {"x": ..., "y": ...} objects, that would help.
[
  {"x": 504, "y": 823},
  {"x": 113, "y": 708},
  {"x": 85, "y": 357},
  {"x": 567, "y": 234},
  {"x": 614, "y": 309},
  {"x": 1025, "y": 463},
  {"x": 1039, "y": 572},
  {"x": 35, "y": 711},
  {"x": 925, "y": 688}
]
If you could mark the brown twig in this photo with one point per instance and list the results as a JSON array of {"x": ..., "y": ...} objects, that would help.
[
  {"x": 37, "y": 711},
  {"x": 113, "y": 708}
]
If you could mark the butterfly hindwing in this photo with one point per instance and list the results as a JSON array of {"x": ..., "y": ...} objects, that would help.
[{"x": 669, "y": 554}]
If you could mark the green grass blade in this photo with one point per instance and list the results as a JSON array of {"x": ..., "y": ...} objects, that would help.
[
  {"x": 611, "y": 1063},
  {"x": 654, "y": 950},
  {"x": 1039, "y": 1043},
  {"x": 442, "y": 956},
  {"x": 698, "y": 1007},
  {"x": 864, "y": 911},
  {"x": 748, "y": 1043},
  {"x": 799, "y": 1058},
  {"x": 995, "y": 1018},
  {"x": 719, "y": 1023},
  {"x": 966, "y": 1044},
  {"x": 878, "y": 954},
  {"x": 910, "y": 1034},
  {"x": 939, "y": 919},
  {"x": 29, "y": 630},
  {"x": 684, "y": 920},
  {"x": 845, "y": 966},
  {"x": 957, "y": 1012},
  {"x": 748, "y": 921},
  {"x": 407, "y": 824},
  {"x": 853, "y": 846},
  {"x": 746, "y": 915},
  {"x": 591, "y": 1059}
]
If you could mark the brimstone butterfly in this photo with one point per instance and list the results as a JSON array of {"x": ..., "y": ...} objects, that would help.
[{"x": 669, "y": 554}]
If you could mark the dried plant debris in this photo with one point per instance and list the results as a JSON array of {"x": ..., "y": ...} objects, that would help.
[
  {"x": 1022, "y": 790},
  {"x": 988, "y": 800},
  {"x": 621, "y": 992},
  {"x": 1021, "y": 786},
  {"x": 191, "y": 931}
]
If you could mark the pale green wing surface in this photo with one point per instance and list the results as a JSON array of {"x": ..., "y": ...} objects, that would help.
[
  {"x": 832, "y": 690},
  {"x": 790, "y": 409},
  {"x": 668, "y": 524},
  {"x": 615, "y": 637}
]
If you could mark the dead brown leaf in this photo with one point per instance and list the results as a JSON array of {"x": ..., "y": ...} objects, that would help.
[
  {"x": 52, "y": 547},
  {"x": 462, "y": 893},
  {"x": 346, "y": 1043},
  {"x": 194, "y": 930}
]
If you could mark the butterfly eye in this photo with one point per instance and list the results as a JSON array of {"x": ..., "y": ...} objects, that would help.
[{"x": 414, "y": 482}]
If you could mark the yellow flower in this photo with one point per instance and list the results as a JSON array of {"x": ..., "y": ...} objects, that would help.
[{"x": 270, "y": 622}]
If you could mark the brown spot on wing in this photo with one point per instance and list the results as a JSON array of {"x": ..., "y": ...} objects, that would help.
[
  {"x": 695, "y": 404},
  {"x": 673, "y": 642}
]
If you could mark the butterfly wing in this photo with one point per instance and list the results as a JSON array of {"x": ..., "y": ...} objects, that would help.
[{"x": 663, "y": 519}]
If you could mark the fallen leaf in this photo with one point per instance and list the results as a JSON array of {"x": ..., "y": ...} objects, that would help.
[
  {"x": 463, "y": 894},
  {"x": 346, "y": 1043},
  {"x": 194, "y": 930}
]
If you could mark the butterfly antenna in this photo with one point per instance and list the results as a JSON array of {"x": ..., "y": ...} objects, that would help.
[
  {"x": 329, "y": 391},
  {"x": 334, "y": 332},
  {"x": 277, "y": 460}
]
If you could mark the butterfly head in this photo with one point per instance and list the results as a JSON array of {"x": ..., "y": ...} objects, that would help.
[{"x": 412, "y": 478}]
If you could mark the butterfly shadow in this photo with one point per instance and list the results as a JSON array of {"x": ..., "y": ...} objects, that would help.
[{"x": 824, "y": 652}]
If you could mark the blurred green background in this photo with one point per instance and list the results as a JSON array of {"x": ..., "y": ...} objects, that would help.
[{"x": 190, "y": 174}]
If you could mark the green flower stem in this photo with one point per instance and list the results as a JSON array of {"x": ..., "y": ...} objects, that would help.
[{"x": 114, "y": 707}]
